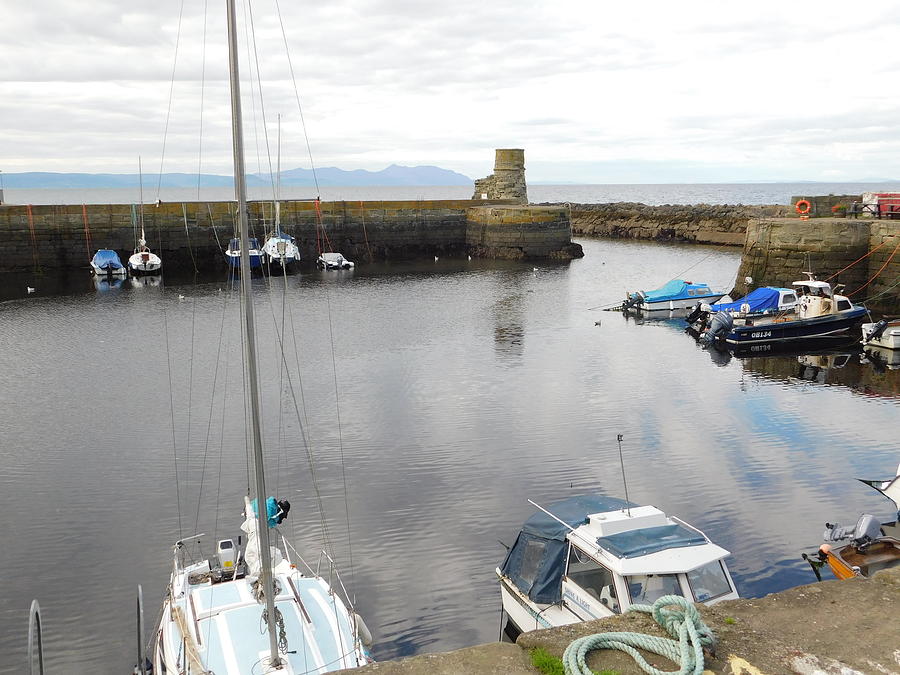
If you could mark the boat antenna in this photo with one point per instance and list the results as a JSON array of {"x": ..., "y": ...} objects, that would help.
[
  {"x": 625, "y": 482},
  {"x": 240, "y": 189}
]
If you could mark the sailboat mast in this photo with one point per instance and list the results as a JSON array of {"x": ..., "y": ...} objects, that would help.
[
  {"x": 278, "y": 184},
  {"x": 240, "y": 189},
  {"x": 141, "y": 196}
]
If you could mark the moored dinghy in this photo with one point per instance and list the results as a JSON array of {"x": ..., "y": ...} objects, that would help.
[
  {"x": 590, "y": 557},
  {"x": 334, "y": 261},
  {"x": 882, "y": 333},
  {"x": 106, "y": 262},
  {"x": 872, "y": 546}
]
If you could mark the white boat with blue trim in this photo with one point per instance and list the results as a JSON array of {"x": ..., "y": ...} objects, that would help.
[
  {"x": 674, "y": 294},
  {"x": 591, "y": 557}
]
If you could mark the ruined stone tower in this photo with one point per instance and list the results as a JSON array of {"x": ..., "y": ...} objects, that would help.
[{"x": 508, "y": 179}]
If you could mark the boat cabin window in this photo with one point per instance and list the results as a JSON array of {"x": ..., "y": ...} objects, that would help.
[
  {"x": 646, "y": 589},
  {"x": 709, "y": 581},
  {"x": 594, "y": 578},
  {"x": 788, "y": 298},
  {"x": 844, "y": 304},
  {"x": 531, "y": 560},
  {"x": 699, "y": 291}
]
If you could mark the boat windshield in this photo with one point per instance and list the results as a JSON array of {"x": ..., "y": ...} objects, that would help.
[
  {"x": 646, "y": 589},
  {"x": 709, "y": 581},
  {"x": 594, "y": 578}
]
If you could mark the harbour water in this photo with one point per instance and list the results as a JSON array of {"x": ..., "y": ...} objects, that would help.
[
  {"x": 671, "y": 193},
  {"x": 463, "y": 389}
]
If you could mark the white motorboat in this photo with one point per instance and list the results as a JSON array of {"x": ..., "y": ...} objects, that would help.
[
  {"x": 257, "y": 609},
  {"x": 675, "y": 294},
  {"x": 882, "y": 333},
  {"x": 590, "y": 557},
  {"x": 106, "y": 263},
  {"x": 334, "y": 261}
]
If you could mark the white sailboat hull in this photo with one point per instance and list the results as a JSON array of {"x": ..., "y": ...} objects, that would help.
[{"x": 144, "y": 263}]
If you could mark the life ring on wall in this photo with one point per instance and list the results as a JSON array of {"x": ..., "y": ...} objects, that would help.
[{"x": 802, "y": 206}]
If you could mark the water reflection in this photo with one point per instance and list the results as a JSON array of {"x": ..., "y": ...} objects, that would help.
[{"x": 441, "y": 439}]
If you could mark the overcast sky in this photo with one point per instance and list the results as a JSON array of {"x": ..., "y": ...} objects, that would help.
[{"x": 594, "y": 91}]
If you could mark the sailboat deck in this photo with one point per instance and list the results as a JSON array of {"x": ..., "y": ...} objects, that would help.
[{"x": 226, "y": 623}]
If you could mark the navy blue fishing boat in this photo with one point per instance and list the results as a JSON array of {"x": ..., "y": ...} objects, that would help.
[{"x": 821, "y": 315}]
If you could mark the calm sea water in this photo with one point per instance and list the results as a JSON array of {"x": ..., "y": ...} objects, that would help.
[
  {"x": 463, "y": 388},
  {"x": 694, "y": 193}
]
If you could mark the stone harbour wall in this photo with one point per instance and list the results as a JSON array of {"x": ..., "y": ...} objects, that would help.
[
  {"x": 520, "y": 232},
  {"x": 196, "y": 233}
]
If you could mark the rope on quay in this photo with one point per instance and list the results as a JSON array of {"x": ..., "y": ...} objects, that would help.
[{"x": 684, "y": 623}]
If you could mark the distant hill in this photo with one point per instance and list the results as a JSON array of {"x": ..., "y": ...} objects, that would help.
[{"x": 332, "y": 176}]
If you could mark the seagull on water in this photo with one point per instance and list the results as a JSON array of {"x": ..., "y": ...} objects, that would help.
[{"x": 29, "y": 289}]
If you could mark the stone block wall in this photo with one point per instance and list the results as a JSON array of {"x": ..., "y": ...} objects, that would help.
[
  {"x": 198, "y": 232},
  {"x": 777, "y": 252},
  {"x": 884, "y": 235},
  {"x": 521, "y": 232},
  {"x": 820, "y": 206}
]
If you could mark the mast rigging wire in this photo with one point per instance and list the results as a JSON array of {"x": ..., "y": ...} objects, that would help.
[{"x": 162, "y": 157}]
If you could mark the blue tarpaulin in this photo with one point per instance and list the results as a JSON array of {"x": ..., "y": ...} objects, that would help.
[
  {"x": 107, "y": 259},
  {"x": 678, "y": 289},
  {"x": 760, "y": 300},
  {"x": 537, "y": 561}
]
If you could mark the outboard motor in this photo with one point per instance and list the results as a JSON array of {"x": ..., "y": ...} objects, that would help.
[
  {"x": 866, "y": 530},
  {"x": 719, "y": 326},
  {"x": 632, "y": 300},
  {"x": 877, "y": 331},
  {"x": 695, "y": 314}
]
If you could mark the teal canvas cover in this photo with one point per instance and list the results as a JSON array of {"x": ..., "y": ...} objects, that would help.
[{"x": 678, "y": 289}]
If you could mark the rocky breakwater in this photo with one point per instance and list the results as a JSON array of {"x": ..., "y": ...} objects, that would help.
[{"x": 698, "y": 223}]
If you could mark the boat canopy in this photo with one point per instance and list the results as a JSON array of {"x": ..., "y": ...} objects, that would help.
[
  {"x": 634, "y": 543},
  {"x": 105, "y": 258},
  {"x": 537, "y": 560},
  {"x": 759, "y": 299},
  {"x": 678, "y": 289}
]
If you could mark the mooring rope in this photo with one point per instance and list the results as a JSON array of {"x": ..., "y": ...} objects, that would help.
[
  {"x": 880, "y": 270},
  {"x": 684, "y": 623},
  {"x": 855, "y": 261}
]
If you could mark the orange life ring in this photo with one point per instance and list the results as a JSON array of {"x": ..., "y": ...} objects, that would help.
[{"x": 805, "y": 204}]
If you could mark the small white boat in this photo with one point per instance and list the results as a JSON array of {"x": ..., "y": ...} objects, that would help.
[
  {"x": 143, "y": 260},
  {"x": 882, "y": 333},
  {"x": 871, "y": 545},
  {"x": 675, "y": 294},
  {"x": 106, "y": 263},
  {"x": 280, "y": 250},
  {"x": 591, "y": 557},
  {"x": 334, "y": 261}
]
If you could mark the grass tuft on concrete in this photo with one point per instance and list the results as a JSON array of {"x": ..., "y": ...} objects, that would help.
[{"x": 545, "y": 662}]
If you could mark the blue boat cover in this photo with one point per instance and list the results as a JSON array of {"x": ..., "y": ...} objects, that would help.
[
  {"x": 678, "y": 289},
  {"x": 107, "y": 259},
  {"x": 648, "y": 540},
  {"x": 760, "y": 300},
  {"x": 537, "y": 561}
]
